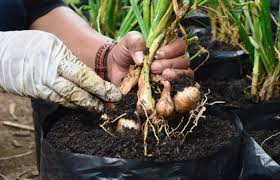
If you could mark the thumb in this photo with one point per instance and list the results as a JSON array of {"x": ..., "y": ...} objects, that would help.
[{"x": 136, "y": 45}]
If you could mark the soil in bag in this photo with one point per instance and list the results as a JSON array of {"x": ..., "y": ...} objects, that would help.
[
  {"x": 71, "y": 133},
  {"x": 211, "y": 152}
]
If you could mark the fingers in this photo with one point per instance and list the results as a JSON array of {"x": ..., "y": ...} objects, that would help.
[
  {"x": 131, "y": 49},
  {"x": 171, "y": 74},
  {"x": 128, "y": 51},
  {"x": 181, "y": 62},
  {"x": 170, "y": 60},
  {"x": 75, "y": 95},
  {"x": 88, "y": 80},
  {"x": 56, "y": 98},
  {"x": 174, "y": 49},
  {"x": 136, "y": 46}
]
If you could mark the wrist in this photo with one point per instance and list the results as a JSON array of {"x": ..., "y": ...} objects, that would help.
[{"x": 101, "y": 59}]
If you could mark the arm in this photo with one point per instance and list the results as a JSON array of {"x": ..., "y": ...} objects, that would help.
[{"x": 73, "y": 31}]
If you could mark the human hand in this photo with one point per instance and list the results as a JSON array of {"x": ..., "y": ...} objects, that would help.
[
  {"x": 170, "y": 60},
  {"x": 37, "y": 64}
]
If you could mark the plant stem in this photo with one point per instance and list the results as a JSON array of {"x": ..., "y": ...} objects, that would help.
[
  {"x": 147, "y": 13},
  {"x": 161, "y": 26},
  {"x": 139, "y": 18},
  {"x": 255, "y": 74},
  {"x": 126, "y": 25},
  {"x": 145, "y": 98}
]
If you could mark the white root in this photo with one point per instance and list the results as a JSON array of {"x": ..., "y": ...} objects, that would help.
[{"x": 270, "y": 137}]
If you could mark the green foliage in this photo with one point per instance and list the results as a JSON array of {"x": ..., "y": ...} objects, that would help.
[
  {"x": 254, "y": 24},
  {"x": 71, "y": 1}
]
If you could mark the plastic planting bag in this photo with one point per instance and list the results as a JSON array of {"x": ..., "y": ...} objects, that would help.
[
  {"x": 55, "y": 164},
  {"x": 258, "y": 165}
]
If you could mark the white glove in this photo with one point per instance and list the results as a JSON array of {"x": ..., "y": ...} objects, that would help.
[{"x": 37, "y": 64}]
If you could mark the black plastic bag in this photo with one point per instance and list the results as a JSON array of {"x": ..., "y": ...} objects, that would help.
[
  {"x": 55, "y": 164},
  {"x": 222, "y": 65},
  {"x": 60, "y": 165},
  {"x": 258, "y": 165}
]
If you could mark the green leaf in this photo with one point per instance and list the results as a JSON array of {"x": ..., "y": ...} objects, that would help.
[
  {"x": 72, "y": 1},
  {"x": 265, "y": 23},
  {"x": 85, "y": 8},
  {"x": 139, "y": 18}
]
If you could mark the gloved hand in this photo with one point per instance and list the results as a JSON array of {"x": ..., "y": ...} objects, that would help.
[
  {"x": 37, "y": 64},
  {"x": 169, "y": 61}
]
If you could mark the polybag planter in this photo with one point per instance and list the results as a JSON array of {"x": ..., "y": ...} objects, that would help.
[
  {"x": 258, "y": 165},
  {"x": 221, "y": 65},
  {"x": 55, "y": 164}
]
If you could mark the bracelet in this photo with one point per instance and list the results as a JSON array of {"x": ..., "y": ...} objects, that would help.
[{"x": 101, "y": 58}]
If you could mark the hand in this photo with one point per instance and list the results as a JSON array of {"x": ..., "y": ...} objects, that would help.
[
  {"x": 37, "y": 64},
  {"x": 169, "y": 60}
]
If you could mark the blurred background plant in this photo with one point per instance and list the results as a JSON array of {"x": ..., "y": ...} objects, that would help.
[
  {"x": 105, "y": 16},
  {"x": 253, "y": 19},
  {"x": 223, "y": 28},
  {"x": 115, "y": 18}
]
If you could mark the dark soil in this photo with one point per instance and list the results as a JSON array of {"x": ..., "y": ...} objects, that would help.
[
  {"x": 227, "y": 79},
  {"x": 73, "y": 132},
  {"x": 205, "y": 41},
  {"x": 126, "y": 105},
  {"x": 272, "y": 146},
  {"x": 235, "y": 92}
]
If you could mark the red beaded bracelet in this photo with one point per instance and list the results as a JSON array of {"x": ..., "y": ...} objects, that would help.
[{"x": 101, "y": 58}]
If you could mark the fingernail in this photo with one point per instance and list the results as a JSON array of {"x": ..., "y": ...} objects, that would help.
[
  {"x": 156, "y": 66},
  {"x": 138, "y": 57},
  {"x": 160, "y": 54}
]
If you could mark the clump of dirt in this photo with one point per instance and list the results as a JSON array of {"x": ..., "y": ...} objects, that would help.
[
  {"x": 126, "y": 105},
  {"x": 180, "y": 83},
  {"x": 72, "y": 132},
  {"x": 271, "y": 146}
]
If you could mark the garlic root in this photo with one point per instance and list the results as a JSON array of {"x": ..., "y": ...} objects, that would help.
[
  {"x": 124, "y": 123},
  {"x": 165, "y": 106}
]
